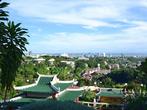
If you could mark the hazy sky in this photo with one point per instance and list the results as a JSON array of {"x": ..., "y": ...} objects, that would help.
[{"x": 57, "y": 26}]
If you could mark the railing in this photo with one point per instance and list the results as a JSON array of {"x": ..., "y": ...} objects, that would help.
[
  {"x": 24, "y": 87},
  {"x": 15, "y": 98},
  {"x": 99, "y": 105}
]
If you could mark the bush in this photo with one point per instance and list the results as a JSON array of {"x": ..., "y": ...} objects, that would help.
[
  {"x": 88, "y": 96},
  {"x": 139, "y": 103}
]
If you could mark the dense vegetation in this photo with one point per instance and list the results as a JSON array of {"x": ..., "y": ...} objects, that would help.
[
  {"x": 137, "y": 103},
  {"x": 118, "y": 77}
]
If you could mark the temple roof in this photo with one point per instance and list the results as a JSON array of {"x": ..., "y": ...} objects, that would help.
[
  {"x": 111, "y": 92},
  {"x": 63, "y": 86},
  {"x": 39, "y": 89},
  {"x": 70, "y": 95},
  {"x": 46, "y": 84},
  {"x": 23, "y": 101},
  {"x": 44, "y": 80},
  {"x": 28, "y": 100},
  {"x": 42, "y": 86}
]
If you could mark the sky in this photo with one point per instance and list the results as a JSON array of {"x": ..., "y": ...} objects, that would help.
[{"x": 77, "y": 26}]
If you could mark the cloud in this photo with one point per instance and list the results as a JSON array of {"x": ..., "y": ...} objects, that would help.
[
  {"x": 139, "y": 27},
  {"x": 80, "y": 42},
  {"x": 121, "y": 29},
  {"x": 87, "y": 13},
  {"x": 143, "y": 3}
]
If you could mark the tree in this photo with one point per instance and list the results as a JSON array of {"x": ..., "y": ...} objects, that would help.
[
  {"x": 12, "y": 49},
  {"x": 3, "y": 14},
  {"x": 65, "y": 74},
  {"x": 80, "y": 67},
  {"x": 88, "y": 96},
  {"x": 3, "y": 17},
  {"x": 42, "y": 68},
  {"x": 143, "y": 66},
  {"x": 83, "y": 82},
  {"x": 137, "y": 103},
  {"x": 26, "y": 74},
  {"x": 123, "y": 75},
  {"x": 107, "y": 82}
]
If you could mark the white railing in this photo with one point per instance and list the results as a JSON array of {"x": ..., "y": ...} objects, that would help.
[
  {"x": 76, "y": 89},
  {"x": 15, "y": 98},
  {"x": 99, "y": 104},
  {"x": 71, "y": 81},
  {"x": 24, "y": 87}
]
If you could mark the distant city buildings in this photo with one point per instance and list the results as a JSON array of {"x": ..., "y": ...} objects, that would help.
[
  {"x": 83, "y": 58},
  {"x": 104, "y": 54},
  {"x": 64, "y": 55}
]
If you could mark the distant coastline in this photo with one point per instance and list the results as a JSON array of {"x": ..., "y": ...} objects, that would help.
[{"x": 95, "y": 54}]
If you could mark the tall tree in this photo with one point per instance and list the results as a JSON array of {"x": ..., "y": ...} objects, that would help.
[
  {"x": 12, "y": 51},
  {"x": 3, "y": 14},
  {"x": 137, "y": 103},
  {"x": 3, "y": 17},
  {"x": 143, "y": 66}
]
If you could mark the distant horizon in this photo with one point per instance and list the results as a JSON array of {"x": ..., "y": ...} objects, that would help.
[
  {"x": 95, "y": 53},
  {"x": 111, "y": 26}
]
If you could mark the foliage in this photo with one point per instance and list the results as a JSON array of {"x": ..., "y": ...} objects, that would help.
[
  {"x": 138, "y": 103},
  {"x": 55, "y": 70},
  {"x": 41, "y": 68},
  {"x": 65, "y": 74},
  {"x": 123, "y": 75},
  {"x": 143, "y": 66},
  {"x": 83, "y": 82},
  {"x": 3, "y": 14},
  {"x": 135, "y": 86},
  {"x": 80, "y": 67},
  {"x": 88, "y": 96},
  {"x": 55, "y": 105},
  {"x": 12, "y": 46},
  {"x": 107, "y": 82}
]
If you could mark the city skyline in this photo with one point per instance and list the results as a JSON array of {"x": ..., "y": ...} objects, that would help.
[{"x": 78, "y": 26}]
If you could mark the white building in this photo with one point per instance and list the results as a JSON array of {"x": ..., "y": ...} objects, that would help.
[
  {"x": 104, "y": 54},
  {"x": 64, "y": 55},
  {"x": 51, "y": 61},
  {"x": 39, "y": 60}
]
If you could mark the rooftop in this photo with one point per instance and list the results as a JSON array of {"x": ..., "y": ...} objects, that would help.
[
  {"x": 70, "y": 95},
  {"x": 42, "y": 86},
  {"x": 63, "y": 86},
  {"x": 111, "y": 92}
]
